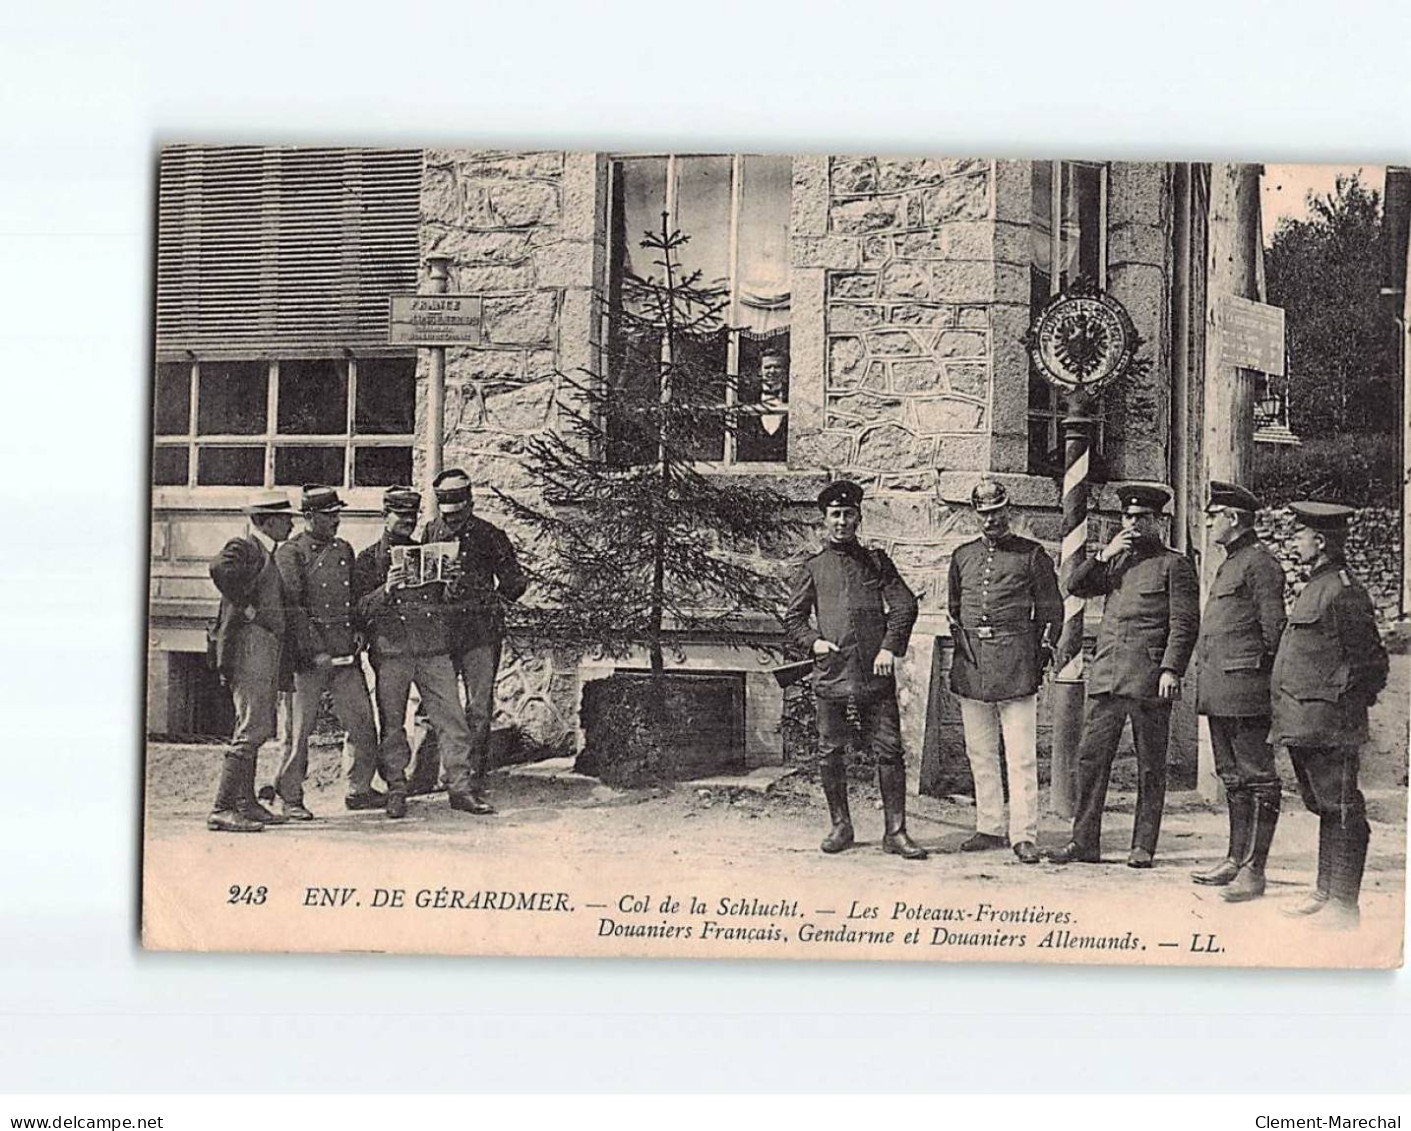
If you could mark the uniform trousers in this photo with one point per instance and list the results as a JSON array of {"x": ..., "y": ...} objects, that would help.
[
  {"x": 1327, "y": 779},
  {"x": 1102, "y": 729},
  {"x": 1017, "y": 720},
  {"x": 477, "y": 666},
  {"x": 253, "y": 675},
  {"x": 880, "y": 724},
  {"x": 285, "y": 725},
  {"x": 351, "y": 704},
  {"x": 435, "y": 679},
  {"x": 1244, "y": 760}
]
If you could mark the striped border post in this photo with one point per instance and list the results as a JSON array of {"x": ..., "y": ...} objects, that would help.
[{"x": 1068, "y": 689}]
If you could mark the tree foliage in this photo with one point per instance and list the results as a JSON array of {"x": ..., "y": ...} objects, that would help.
[
  {"x": 1324, "y": 272},
  {"x": 632, "y": 540}
]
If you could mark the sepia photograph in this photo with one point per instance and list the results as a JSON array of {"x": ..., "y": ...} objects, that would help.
[{"x": 706, "y": 555}]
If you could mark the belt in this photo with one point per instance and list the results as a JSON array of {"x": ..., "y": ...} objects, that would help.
[{"x": 996, "y": 632}]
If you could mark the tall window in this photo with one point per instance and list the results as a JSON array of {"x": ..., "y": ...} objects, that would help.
[
  {"x": 1069, "y": 237},
  {"x": 346, "y": 422},
  {"x": 736, "y": 212}
]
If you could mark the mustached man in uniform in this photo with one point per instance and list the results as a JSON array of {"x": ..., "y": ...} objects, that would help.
[
  {"x": 1004, "y": 604},
  {"x": 865, "y": 614},
  {"x": 488, "y": 576},
  {"x": 316, "y": 567},
  {"x": 1330, "y": 668},
  {"x": 1239, "y": 634},
  {"x": 249, "y": 655},
  {"x": 409, "y": 641},
  {"x": 1150, "y": 621}
]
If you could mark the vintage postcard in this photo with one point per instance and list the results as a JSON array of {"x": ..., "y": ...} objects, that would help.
[
  {"x": 425, "y": 565},
  {"x": 710, "y": 555}
]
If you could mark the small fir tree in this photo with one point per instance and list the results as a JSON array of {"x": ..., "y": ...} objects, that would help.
[{"x": 632, "y": 541}]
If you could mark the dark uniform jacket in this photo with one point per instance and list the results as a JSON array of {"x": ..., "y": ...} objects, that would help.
[
  {"x": 1239, "y": 632},
  {"x": 250, "y": 593},
  {"x": 318, "y": 597},
  {"x": 412, "y": 621},
  {"x": 863, "y": 606},
  {"x": 1330, "y": 666},
  {"x": 1149, "y": 622},
  {"x": 490, "y": 575},
  {"x": 1003, "y": 598}
]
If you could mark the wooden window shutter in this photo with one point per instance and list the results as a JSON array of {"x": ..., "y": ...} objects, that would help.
[{"x": 283, "y": 249}]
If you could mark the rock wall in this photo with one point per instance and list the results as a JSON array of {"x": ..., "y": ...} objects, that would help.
[
  {"x": 911, "y": 295},
  {"x": 907, "y": 260},
  {"x": 523, "y": 231}
]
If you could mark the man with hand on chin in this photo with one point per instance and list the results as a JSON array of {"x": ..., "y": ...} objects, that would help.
[
  {"x": 865, "y": 613},
  {"x": 1149, "y": 626}
]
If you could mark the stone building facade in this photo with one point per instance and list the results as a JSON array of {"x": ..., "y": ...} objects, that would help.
[{"x": 902, "y": 287}]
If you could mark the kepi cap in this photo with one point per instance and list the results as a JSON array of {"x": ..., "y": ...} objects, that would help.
[
  {"x": 270, "y": 502},
  {"x": 1138, "y": 497},
  {"x": 988, "y": 496},
  {"x": 401, "y": 500},
  {"x": 1224, "y": 494},
  {"x": 840, "y": 493},
  {"x": 318, "y": 498},
  {"x": 452, "y": 489},
  {"x": 1331, "y": 518}
]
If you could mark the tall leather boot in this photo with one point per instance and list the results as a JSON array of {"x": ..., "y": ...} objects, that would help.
[
  {"x": 226, "y": 816},
  {"x": 1249, "y": 884},
  {"x": 1345, "y": 881},
  {"x": 1317, "y": 900},
  {"x": 892, "y": 781},
  {"x": 833, "y": 775},
  {"x": 1241, "y": 807}
]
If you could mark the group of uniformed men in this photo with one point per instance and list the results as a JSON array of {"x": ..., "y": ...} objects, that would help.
[
  {"x": 298, "y": 611},
  {"x": 306, "y": 605},
  {"x": 1303, "y": 681}
]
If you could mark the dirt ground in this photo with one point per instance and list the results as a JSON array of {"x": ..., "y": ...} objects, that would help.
[{"x": 741, "y": 827}]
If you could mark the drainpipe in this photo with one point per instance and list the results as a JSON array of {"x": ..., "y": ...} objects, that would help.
[
  {"x": 1180, "y": 358},
  {"x": 1404, "y": 325}
]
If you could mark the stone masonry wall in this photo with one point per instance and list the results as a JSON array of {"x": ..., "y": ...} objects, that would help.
[
  {"x": 911, "y": 289},
  {"x": 525, "y": 232},
  {"x": 1139, "y": 266},
  {"x": 893, "y": 275},
  {"x": 894, "y": 257}
]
